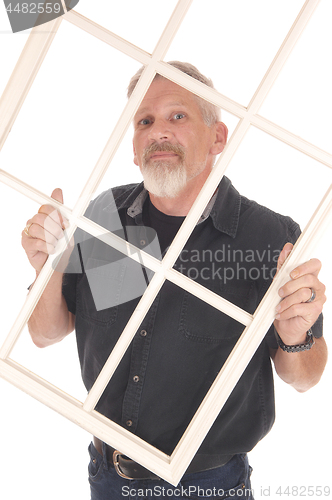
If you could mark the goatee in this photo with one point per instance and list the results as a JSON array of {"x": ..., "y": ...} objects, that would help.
[{"x": 164, "y": 178}]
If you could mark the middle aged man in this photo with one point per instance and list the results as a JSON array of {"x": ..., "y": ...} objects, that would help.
[{"x": 182, "y": 343}]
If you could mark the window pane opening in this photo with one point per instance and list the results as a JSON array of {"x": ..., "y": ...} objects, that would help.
[
  {"x": 306, "y": 73},
  {"x": 245, "y": 35},
  {"x": 282, "y": 173}
]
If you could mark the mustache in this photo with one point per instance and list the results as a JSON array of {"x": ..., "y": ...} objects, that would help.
[{"x": 165, "y": 146}]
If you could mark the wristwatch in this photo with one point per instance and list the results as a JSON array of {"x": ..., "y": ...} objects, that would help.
[{"x": 309, "y": 342}]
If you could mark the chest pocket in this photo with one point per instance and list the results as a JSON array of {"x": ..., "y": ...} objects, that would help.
[
  {"x": 99, "y": 291},
  {"x": 201, "y": 322}
]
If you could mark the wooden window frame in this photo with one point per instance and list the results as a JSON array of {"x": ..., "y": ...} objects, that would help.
[{"x": 170, "y": 468}]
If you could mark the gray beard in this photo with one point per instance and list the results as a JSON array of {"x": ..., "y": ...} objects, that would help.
[{"x": 164, "y": 179}]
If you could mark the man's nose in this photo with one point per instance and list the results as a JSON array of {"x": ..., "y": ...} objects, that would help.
[{"x": 160, "y": 131}]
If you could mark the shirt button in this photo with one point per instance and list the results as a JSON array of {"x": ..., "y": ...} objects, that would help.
[
  {"x": 143, "y": 333},
  {"x": 136, "y": 378},
  {"x": 129, "y": 423}
]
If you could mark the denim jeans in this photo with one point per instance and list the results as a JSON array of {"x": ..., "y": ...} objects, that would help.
[{"x": 231, "y": 481}]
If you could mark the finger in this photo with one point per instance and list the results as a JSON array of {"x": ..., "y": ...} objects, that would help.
[
  {"x": 55, "y": 215},
  {"x": 288, "y": 247},
  {"x": 32, "y": 246},
  {"x": 57, "y": 195},
  {"x": 38, "y": 232},
  {"x": 36, "y": 258},
  {"x": 41, "y": 222},
  {"x": 299, "y": 297},
  {"x": 307, "y": 281},
  {"x": 312, "y": 266},
  {"x": 308, "y": 311},
  {"x": 50, "y": 210}
]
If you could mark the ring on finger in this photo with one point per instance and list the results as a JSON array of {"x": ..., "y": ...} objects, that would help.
[
  {"x": 26, "y": 230},
  {"x": 313, "y": 296}
]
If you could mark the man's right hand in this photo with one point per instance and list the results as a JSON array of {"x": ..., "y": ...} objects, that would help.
[
  {"x": 50, "y": 320},
  {"x": 44, "y": 229}
]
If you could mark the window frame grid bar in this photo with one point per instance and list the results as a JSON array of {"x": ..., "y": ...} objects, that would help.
[
  {"x": 64, "y": 6},
  {"x": 292, "y": 140},
  {"x": 171, "y": 29},
  {"x": 319, "y": 229},
  {"x": 108, "y": 37},
  {"x": 211, "y": 298}
]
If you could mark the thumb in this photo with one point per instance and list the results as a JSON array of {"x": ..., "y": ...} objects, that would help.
[
  {"x": 57, "y": 195},
  {"x": 284, "y": 254}
]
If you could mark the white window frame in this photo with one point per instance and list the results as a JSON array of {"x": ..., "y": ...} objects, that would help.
[{"x": 170, "y": 468}]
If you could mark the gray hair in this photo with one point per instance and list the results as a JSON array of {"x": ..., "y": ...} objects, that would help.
[{"x": 210, "y": 112}]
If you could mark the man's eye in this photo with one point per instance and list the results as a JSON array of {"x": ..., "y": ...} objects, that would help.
[
  {"x": 145, "y": 121},
  {"x": 178, "y": 116}
]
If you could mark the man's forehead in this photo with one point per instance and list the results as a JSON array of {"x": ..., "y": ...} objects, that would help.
[
  {"x": 145, "y": 106},
  {"x": 166, "y": 93}
]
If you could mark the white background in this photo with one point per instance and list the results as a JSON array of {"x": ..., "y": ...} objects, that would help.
[{"x": 62, "y": 128}]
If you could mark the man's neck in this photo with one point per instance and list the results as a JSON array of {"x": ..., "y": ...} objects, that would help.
[{"x": 178, "y": 206}]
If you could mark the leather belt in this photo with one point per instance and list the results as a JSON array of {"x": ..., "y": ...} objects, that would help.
[{"x": 128, "y": 469}]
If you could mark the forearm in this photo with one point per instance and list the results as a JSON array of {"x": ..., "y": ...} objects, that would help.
[
  {"x": 302, "y": 370},
  {"x": 51, "y": 321}
]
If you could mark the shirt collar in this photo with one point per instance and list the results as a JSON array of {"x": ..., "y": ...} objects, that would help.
[
  {"x": 225, "y": 212},
  {"x": 224, "y": 206}
]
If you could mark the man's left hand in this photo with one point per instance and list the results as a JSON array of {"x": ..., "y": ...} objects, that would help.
[{"x": 295, "y": 314}]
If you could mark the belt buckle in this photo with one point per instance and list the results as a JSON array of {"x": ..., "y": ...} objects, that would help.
[{"x": 116, "y": 463}]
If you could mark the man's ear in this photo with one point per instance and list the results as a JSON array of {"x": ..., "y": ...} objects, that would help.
[
  {"x": 135, "y": 156},
  {"x": 221, "y": 138}
]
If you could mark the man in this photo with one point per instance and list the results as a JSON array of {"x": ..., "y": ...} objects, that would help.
[{"x": 182, "y": 343}]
